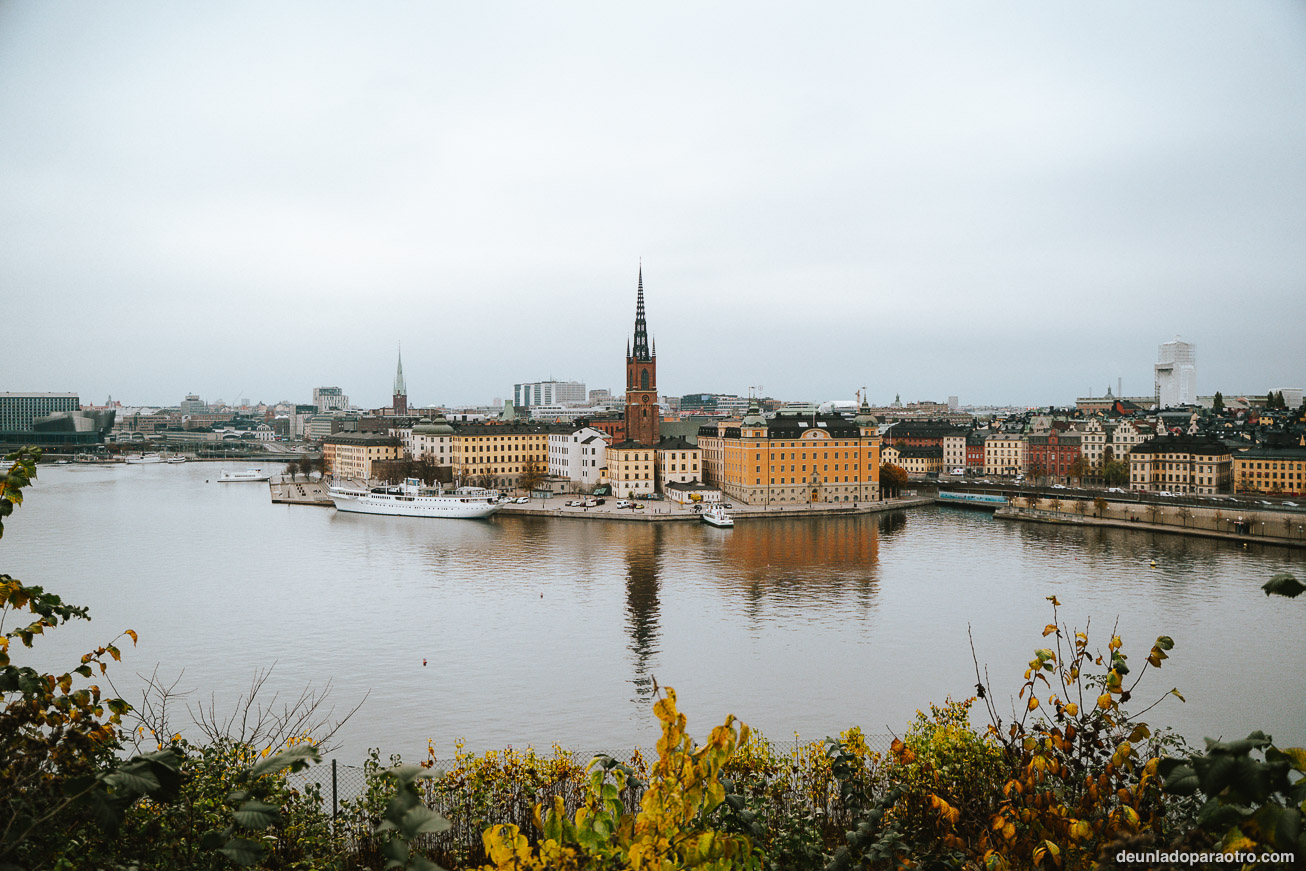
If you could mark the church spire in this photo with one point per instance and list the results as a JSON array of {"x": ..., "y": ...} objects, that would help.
[
  {"x": 641, "y": 326},
  {"x": 401, "y": 389}
]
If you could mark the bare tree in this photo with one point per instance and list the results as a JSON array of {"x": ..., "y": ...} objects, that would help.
[{"x": 253, "y": 719}]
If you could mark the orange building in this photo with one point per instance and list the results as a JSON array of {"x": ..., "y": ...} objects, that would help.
[{"x": 794, "y": 458}]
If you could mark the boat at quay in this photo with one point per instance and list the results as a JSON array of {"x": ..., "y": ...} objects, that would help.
[
  {"x": 717, "y": 516},
  {"x": 411, "y": 499},
  {"x": 239, "y": 477}
]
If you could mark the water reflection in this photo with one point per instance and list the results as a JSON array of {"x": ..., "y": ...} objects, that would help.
[
  {"x": 643, "y": 556},
  {"x": 790, "y": 565}
]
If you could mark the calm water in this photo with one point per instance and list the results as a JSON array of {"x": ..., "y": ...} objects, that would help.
[{"x": 538, "y": 630}]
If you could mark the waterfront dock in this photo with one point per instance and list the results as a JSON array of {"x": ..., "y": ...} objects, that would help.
[
  {"x": 288, "y": 491},
  {"x": 671, "y": 512},
  {"x": 1249, "y": 526}
]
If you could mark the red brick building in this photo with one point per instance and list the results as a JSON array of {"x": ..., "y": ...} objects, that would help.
[
  {"x": 1054, "y": 453},
  {"x": 642, "y": 417}
]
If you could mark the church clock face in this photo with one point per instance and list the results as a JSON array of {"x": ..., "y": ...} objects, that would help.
[{"x": 643, "y": 399}]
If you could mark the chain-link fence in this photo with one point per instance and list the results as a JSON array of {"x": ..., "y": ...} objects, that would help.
[{"x": 504, "y": 787}]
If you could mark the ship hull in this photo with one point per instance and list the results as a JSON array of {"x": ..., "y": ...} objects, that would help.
[{"x": 435, "y": 507}]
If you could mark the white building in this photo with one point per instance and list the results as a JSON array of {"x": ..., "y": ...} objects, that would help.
[
  {"x": 549, "y": 393},
  {"x": 328, "y": 399},
  {"x": 432, "y": 439},
  {"x": 1176, "y": 374},
  {"x": 578, "y": 456},
  {"x": 562, "y": 412}
]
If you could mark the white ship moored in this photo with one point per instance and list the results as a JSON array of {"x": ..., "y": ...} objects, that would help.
[
  {"x": 247, "y": 475},
  {"x": 717, "y": 516},
  {"x": 411, "y": 499},
  {"x": 141, "y": 459}
]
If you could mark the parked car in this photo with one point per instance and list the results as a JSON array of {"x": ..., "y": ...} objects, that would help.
[
  {"x": 599, "y": 501},
  {"x": 573, "y": 503},
  {"x": 1115, "y": 490},
  {"x": 1058, "y": 486},
  {"x": 523, "y": 500},
  {"x": 590, "y": 503},
  {"x": 623, "y": 503},
  {"x": 637, "y": 505}
]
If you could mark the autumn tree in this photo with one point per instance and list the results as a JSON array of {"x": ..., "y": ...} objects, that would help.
[
  {"x": 532, "y": 475},
  {"x": 892, "y": 479}
]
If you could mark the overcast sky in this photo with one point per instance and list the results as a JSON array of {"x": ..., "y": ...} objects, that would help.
[{"x": 1008, "y": 202}]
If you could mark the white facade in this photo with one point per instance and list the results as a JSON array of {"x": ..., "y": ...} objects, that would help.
[
  {"x": 549, "y": 393},
  {"x": 578, "y": 456},
  {"x": 330, "y": 399},
  {"x": 560, "y": 412},
  {"x": 1176, "y": 374},
  {"x": 954, "y": 452}
]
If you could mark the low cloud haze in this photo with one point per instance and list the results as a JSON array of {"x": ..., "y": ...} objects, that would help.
[{"x": 1008, "y": 204}]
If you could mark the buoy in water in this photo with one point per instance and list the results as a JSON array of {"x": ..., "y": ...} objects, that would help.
[
  {"x": 1153, "y": 563},
  {"x": 423, "y": 662}
]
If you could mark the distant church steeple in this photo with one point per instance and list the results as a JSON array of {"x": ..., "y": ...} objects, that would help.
[
  {"x": 641, "y": 326},
  {"x": 642, "y": 414},
  {"x": 400, "y": 403}
]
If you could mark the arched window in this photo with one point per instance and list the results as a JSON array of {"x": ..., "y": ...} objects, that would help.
[{"x": 643, "y": 379}]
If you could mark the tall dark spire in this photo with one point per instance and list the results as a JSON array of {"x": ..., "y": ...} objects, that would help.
[{"x": 641, "y": 327}]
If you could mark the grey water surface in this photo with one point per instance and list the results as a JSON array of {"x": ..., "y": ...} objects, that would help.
[{"x": 537, "y": 631}]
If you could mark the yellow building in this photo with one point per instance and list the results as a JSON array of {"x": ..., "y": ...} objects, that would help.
[
  {"x": 679, "y": 462},
  {"x": 352, "y": 456},
  {"x": 496, "y": 455},
  {"x": 919, "y": 462},
  {"x": 1270, "y": 470},
  {"x": 1005, "y": 454},
  {"x": 632, "y": 469},
  {"x": 1181, "y": 464},
  {"x": 794, "y": 458}
]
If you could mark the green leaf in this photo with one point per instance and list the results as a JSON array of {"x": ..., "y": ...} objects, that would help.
[
  {"x": 420, "y": 820},
  {"x": 256, "y": 815},
  {"x": 1283, "y": 584},
  {"x": 294, "y": 758},
  {"x": 395, "y": 850},
  {"x": 421, "y": 864},
  {"x": 1180, "y": 779},
  {"x": 1165, "y": 642},
  {"x": 133, "y": 777},
  {"x": 242, "y": 851}
]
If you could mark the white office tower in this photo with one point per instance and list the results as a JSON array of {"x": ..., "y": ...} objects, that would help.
[{"x": 1176, "y": 374}]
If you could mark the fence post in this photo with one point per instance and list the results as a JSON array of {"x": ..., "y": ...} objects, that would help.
[{"x": 335, "y": 806}]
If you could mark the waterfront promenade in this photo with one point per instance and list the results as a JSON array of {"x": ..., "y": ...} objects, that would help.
[
  {"x": 285, "y": 491},
  {"x": 666, "y": 511}
]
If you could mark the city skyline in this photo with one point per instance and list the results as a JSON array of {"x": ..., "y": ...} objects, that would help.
[{"x": 240, "y": 201}]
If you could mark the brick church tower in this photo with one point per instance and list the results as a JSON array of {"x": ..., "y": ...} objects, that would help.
[
  {"x": 399, "y": 401},
  {"x": 642, "y": 417}
]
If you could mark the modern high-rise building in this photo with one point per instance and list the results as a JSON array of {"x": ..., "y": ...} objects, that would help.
[
  {"x": 51, "y": 420},
  {"x": 19, "y": 410},
  {"x": 192, "y": 404},
  {"x": 330, "y": 399},
  {"x": 548, "y": 393},
  {"x": 1176, "y": 374}
]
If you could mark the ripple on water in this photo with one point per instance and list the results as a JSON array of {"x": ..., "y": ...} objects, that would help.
[{"x": 537, "y": 630}]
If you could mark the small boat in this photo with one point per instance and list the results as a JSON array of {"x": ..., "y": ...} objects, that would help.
[
  {"x": 717, "y": 516},
  {"x": 176, "y": 458},
  {"x": 247, "y": 475},
  {"x": 411, "y": 499}
]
